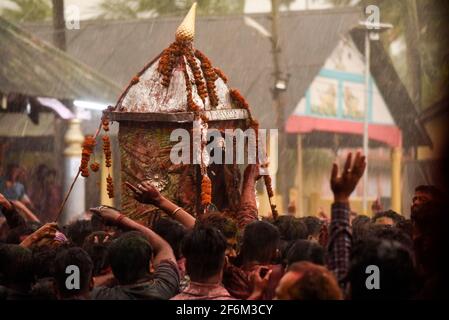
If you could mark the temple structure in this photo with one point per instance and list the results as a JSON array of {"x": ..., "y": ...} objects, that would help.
[{"x": 178, "y": 88}]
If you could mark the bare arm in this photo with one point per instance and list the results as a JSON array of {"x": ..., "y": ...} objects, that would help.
[
  {"x": 148, "y": 194},
  {"x": 162, "y": 249},
  {"x": 29, "y": 215},
  {"x": 248, "y": 206}
]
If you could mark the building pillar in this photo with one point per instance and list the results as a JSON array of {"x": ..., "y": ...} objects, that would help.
[
  {"x": 75, "y": 204},
  {"x": 299, "y": 182},
  {"x": 396, "y": 168}
]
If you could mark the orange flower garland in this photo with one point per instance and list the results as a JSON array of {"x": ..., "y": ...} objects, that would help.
[
  {"x": 107, "y": 151},
  {"x": 88, "y": 149},
  {"x": 221, "y": 74},
  {"x": 210, "y": 76},
  {"x": 110, "y": 186},
  {"x": 206, "y": 191}
]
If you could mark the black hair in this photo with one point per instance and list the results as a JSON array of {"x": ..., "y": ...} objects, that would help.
[
  {"x": 291, "y": 228},
  {"x": 395, "y": 267},
  {"x": 98, "y": 251},
  {"x": 260, "y": 242},
  {"x": 74, "y": 256},
  {"x": 204, "y": 249},
  {"x": 305, "y": 250},
  {"x": 396, "y": 217},
  {"x": 392, "y": 233},
  {"x": 223, "y": 223},
  {"x": 129, "y": 256},
  {"x": 78, "y": 231},
  {"x": 171, "y": 231},
  {"x": 16, "y": 265},
  {"x": 44, "y": 261},
  {"x": 430, "y": 189},
  {"x": 313, "y": 225}
]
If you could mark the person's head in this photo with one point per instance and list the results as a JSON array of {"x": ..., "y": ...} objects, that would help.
[
  {"x": 313, "y": 225},
  {"x": 307, "y": 281},
  {"x": 129, "y": 256},
  {"x": 228, "y": 228},
  {"x": 305, "y": 250},
  {"x": 16, "y": 266},
  {"x": 77, "y": 231},
  {"x": 291, "y": 228},
  {"x": 44, "y": 261},
  {"x": 391, "y": 233},
  {"x": 204, "y": 249},
  {"x": 44, "y": 289},
  {"x": 12, "y": 171},
  {"x": 73, "y": 262},
  {"x": 260, "y": 242},
  {"x": 389, "y": 218},
  {"x": 96, "y": 245},
  {"x": 425, "y": 194},
  {"x": 430, "y": 237},
  {"x": 381, "y": 269},
  {"x": 171, "y": 231}
]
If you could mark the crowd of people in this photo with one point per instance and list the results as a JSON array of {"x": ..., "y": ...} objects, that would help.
[{"x": 227, "y": 256}]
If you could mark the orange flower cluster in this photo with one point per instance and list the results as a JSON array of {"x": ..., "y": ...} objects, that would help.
[
  {"x": 168, "y": 61},
  {"x": 210, "y": 76},
  {"x": 95, "y": 166},
  {"x": 107, "y": 151},
  {"x": 238, "y": 99},
  {"x": 88, "y": 149},
  {"x": 110, "y": 186},
  {"x": 196, "y": 70},
  {"x": 191, "y": 105},
  {"x": 221, "y": 74},
  {"x": 206, "y": 191}
]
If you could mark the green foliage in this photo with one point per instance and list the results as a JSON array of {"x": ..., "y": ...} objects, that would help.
[
  {"x": 28, "y": 10},
  {"x": 429, "y": 17},
  {"x": 129, "y": 9}
]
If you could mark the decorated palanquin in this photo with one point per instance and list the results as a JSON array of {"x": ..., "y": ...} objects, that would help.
[{"x": 172, "y": 91}]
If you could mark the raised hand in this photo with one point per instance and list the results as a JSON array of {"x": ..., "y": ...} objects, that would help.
[
  {"x": 343, "y": 185},
  {"x": 146, "y": 193},
  {"x": 107, "y": 213}
]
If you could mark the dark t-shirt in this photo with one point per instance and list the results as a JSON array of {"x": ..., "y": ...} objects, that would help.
[{"x": 162, "y": 285}]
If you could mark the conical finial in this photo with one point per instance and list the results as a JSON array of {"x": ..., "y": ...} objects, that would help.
[{"x": 186, "y": 30}]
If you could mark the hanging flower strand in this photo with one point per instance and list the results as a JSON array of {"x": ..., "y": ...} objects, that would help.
[{"x": 108, "y": 162}]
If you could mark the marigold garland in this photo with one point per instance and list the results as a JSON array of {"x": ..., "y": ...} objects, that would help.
[
  {"x": 88, "y": 148},
  {"x": 221, "y": 74},
  {"x": 110, "y": 186},
  {"x": 206, "y": 191},
  {"x": 210, "y": 76},
  {"x": 107, "y": 151}
]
